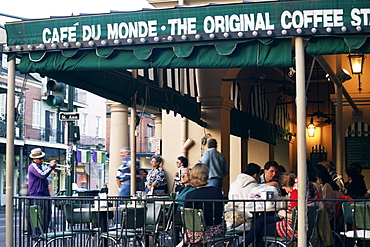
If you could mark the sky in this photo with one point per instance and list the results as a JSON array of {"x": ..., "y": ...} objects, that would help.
[{"x": 46, "y": 8}]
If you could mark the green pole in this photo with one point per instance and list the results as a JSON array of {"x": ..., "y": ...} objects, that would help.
[{"x": 70, "y": 176}]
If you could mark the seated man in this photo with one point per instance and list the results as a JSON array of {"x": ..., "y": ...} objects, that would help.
[
  {"x": 245, "y": 182},
  {"x": 269, "y": 173}
]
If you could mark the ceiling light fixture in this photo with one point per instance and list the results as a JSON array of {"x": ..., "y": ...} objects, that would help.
[
  {"x": 357, "y": 64},
  {"x": 311, "y": 129},
  {"x": 344, "y": 76}
]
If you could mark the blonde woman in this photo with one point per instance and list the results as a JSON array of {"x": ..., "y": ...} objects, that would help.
[{"x": 212, "y": 208}]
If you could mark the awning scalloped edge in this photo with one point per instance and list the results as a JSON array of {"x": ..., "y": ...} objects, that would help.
[{"x": 143, "y": 52}]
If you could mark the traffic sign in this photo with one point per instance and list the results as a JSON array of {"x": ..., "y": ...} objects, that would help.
[{"x": 69, "y": 116}]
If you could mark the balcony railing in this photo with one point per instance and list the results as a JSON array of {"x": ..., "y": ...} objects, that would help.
[
  {"x": 164, "y": 224},
  {"x": 43, "y": 134},
  {"x": 18, "y": 130}
]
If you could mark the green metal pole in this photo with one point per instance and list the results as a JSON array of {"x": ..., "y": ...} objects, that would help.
[{"x": 70, "y": 176}]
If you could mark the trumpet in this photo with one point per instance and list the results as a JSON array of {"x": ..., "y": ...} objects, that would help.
[
  {"x": 60, "y": 167},
  {"x": 64, "y": 166}
]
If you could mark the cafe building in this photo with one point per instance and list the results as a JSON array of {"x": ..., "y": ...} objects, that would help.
[{"x": 277, "y": 80}]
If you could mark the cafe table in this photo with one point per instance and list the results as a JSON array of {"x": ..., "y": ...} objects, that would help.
[{"x": 102, "y": 215}]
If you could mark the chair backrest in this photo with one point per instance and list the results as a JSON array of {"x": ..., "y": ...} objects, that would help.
[
  {"x": 36, "y": 218},
  {"x": 133, "y": 218},
  {"x": 169, "y": 217},
  {"x": 347, "y": 212},
  {"x": 361, "y": 215},
  {"x": 312, "y": 216},
  {"x": 153, "y": 213},
  {"x": 193, "y": 219},
  {"x": 75, "y": 217}
]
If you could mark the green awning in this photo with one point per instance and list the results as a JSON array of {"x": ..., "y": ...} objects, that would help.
[
  {"x": 93, "y": 51},
  {"x": 246, "y": 126},
  {"x": 339, "y": 44},
  {"x": 225, "y": 54},
  {"x": 103, "y": 71},
  {"x": 120, "y": 86}
]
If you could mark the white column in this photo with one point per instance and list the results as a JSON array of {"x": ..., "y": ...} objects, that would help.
[
  {"x": 133, "y": 138},
  {"x": 301, "y": 141},
  {"x": 118, "y": 139},
  {"x": 9, "y": 190},
  {"x": 158, "y": 125}
]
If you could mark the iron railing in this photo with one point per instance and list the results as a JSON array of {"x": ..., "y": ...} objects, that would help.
[{"x": 164, "y": 227}]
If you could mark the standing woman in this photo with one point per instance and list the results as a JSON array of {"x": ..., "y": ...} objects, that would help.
[
  {"x": 181, "y": 163},
  {"x": 156, "y": 182}
]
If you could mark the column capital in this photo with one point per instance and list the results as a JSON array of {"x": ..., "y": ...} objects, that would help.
[
  {"x": 116, "y": 106},
  {"x": 216, "y": 103}
]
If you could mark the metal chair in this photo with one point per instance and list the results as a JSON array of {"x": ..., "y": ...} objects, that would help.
[
  {"x": 78, "y": 220},
  {"x": 37, "y": 221},
  {"x": 312, "y": 215},
  {"x": 348, "y": 233},
  {"x": 361, "y": 221},
  {"x": 152, "y": 223},
  {"x": 193, "y": 220},
  {"x": 132, "y": 222}
]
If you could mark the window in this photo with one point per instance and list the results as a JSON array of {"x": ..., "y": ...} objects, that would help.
[
  {"x": 150, "y": 134},
  {"x": 36, "y": 108},
  {"x": 97, "y": 132},
  {"x": 2, "y": 104},
  {"x": 53, "y": 126},
  {"x": 84, "y": 124},
  {"x": 4, "y": 61}
]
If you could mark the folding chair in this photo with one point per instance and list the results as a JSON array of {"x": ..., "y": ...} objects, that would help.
[
  {"x": 348, "y": 231},
  {"x": 152, "y": 223},
  {"x": 78, "y": 220},
  {"x": 312, "y": 215},
  {"x": 193, "y": 220},
  {"x": 37, "y": 221},
  {"x": 361, "y": 221},
  {"x": 132, "y": 222}
]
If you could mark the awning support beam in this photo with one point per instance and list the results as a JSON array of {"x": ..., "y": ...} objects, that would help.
[{"x": 321, "y": 60}]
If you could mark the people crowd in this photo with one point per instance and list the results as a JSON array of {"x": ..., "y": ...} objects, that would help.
[{"x": 200, "y": 187}]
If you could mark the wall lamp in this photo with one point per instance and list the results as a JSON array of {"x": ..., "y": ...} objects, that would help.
[
  {"x": 344, "y": 76},
  {"x": 311, "y": 129},
  {"x": 357, "y": 64}
]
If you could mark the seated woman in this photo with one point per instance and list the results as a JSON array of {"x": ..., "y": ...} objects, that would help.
[
  {"x": 213, "y": 211},
  {"x": 355, "y": 184},
  {"x": 330, "y": 190},
  {"x": 156, "y": 182},
  {"x": 281, "y": 226}
]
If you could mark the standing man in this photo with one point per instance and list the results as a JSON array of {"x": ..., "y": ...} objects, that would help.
[
  {"x": 38, "y": 183},
  {"x": 216, "y": 163},
  {"x": 123, "y": 176}
]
